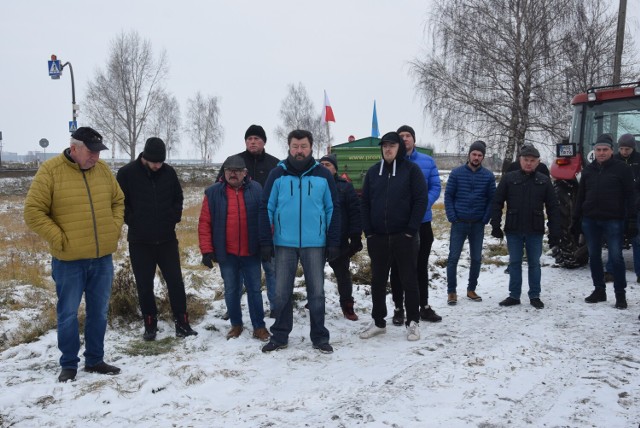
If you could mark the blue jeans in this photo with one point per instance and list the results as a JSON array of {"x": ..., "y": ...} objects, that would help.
[
  {"x": 93, "y": 278},
  {"x": 236, "y": 271},
  {"x": 635, "y": 246},
  {"x": 612, "y": 232},
  {"x": 532, "y": 243},
  {"x": 270, "y": 279},
  {"x": 461, "y": 231},
  {"x": 286, "y": 264}
]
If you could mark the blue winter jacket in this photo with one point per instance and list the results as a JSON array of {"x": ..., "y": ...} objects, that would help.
[
  {"x": 432, "y": 177},
  {"x": 300, "y": 210},
  {"x": 217, "y": 198},
  {"x": 468, "y": 194}
]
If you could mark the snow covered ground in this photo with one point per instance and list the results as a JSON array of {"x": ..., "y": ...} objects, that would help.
[{"x": 569, "y": 365}]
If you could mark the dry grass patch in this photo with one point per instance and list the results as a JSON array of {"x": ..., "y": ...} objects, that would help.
[{"x": 136, "y": 348}]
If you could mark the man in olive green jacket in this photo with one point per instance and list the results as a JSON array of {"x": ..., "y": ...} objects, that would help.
[{"x": 76, "y": 205}]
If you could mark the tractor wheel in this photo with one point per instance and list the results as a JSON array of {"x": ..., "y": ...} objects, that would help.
[{"x": 569, "y": 253}]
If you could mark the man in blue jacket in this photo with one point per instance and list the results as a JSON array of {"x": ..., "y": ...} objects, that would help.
[
  {"x": 432, "y": 178},
  {"x": 394, "y": 199},
  {"x": 467, "y": 202},
  {"x": 300, "y": 216}
]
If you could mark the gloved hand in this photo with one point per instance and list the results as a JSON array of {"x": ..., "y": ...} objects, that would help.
[
  {"x": 332, "y": 253},
  {"x": 575, "y": 228},
  {"x": 355, "y": 245},
  {"x": 553, "y": 241},
  {"x": 631, "y": 230},
  {"x": 209, "y": 259},
  {"x": 266, "y": 253},
  {"x": 496, "y": 232}
]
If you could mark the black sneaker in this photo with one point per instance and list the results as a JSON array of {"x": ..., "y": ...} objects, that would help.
[
  {"x": 67, "y": 375},
  {"x": 102, "y": 368},
  {"x": 536, "y": 303},
  {"x": 273, "y": 346},
  {"x": 510, "y": 301},
  {"x": 599, "y": 295},
  {"x": 428, "y": 314},
  {"x": 150, "y": 327},
  {"x": 398, "y": 317},
  {"x": 325, "y": 348}
]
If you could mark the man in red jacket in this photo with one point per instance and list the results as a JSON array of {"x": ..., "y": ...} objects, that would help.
[{"x": 228, "y": 234}]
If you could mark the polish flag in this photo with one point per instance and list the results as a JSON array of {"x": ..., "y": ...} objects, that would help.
[{"x": 327, "y": 112}]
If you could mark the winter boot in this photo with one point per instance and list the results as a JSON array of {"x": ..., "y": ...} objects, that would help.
[
  {"x": 183, "y": 329},
  {"x": 599, "y": 295},
  {"x": 150, "y": 327},
  {"x": 398, "y": 316},
  {"x": 621, "y": 300},
  {"x": 347, "y": 310}
]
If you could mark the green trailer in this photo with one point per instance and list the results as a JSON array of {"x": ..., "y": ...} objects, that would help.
[{"x": 356, "y": 157}]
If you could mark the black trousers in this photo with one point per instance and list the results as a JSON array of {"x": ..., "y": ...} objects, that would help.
[
  {"x": 426, "y": 241},
  {"x": 144, "y": 259},
  {"x": 384, "y": 251},
  {"x": 341, "y": 270}
]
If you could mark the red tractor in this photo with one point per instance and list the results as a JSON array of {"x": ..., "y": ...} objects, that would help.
[{"x": 611, "y": 109}]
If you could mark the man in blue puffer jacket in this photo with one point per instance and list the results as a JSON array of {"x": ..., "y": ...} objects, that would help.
[
  {"x": 432, "y": 178},
  {"x": 300, "y": 215},
  {"x": 467, "y": 202}
]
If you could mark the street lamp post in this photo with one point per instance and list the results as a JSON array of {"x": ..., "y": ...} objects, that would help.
[
  {"x": 0, "y": 149},
  {"x": 55, "y": 71}
]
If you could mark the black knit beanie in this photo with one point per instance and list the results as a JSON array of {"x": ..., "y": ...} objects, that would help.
[
  {"x": 154, "y": 150},
  {"x": 407, "y": 128},
  {"x": 257, "y": 131},
  {"x": 330, "y": 158},
  {"x": 478, "y": 145}
]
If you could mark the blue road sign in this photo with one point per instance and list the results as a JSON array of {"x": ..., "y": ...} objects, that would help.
[
  {"x": 54, "y": 69},
  {"x": 73, "y": 126}
]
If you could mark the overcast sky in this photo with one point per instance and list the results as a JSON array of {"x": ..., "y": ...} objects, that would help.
[{"x": 244, "y": 52}]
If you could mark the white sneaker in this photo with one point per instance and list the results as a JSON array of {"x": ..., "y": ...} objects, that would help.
[
  {"x": 413, "y": 332},
  {"x": 372, "y": 330}
]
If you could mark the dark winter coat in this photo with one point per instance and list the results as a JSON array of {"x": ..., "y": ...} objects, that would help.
[
  {"x": 394, "y": 197},
  {"x": 350, "y": 217},
  {"x": 633, "y": 161},
  {"x": 152, "y": 202},
  {"x": 526, "y": 195},
  {"x": 258, "y": 167},
  {"x": 468, "y": 195},
  {"x": 606, "y": 191}
]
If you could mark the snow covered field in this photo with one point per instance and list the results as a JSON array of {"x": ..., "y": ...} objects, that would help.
[{"x": 569, "y": 365}]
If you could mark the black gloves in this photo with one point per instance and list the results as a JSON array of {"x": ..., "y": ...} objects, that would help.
[
  {"x": 553, "y": 241},
  {"x": 575, "y": 229},
  {"x": 209, "y": 259},
  {"x": 496, "y": 232},
  {"x": 266, "y": 253},
  {"x": 355, "y": 245},
  {"x": 332, "y": 253}
]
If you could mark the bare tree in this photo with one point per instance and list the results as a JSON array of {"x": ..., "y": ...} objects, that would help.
[
  {"x": 298, "y": 112},
  {"x": 500, "y": 69},
  {"x": 121, "y": 99},
  {"x": 203, "y": 125},
  {"x": 165, "y": 123}
]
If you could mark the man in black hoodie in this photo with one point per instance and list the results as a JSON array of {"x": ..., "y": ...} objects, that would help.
[
  {"x": 605, "y": 212},
  {"x": 152, "y": 208},
  {"x": 394, "y": 200}
]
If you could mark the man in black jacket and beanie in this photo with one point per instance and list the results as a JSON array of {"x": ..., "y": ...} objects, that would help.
[
  {"x": 605, "y": 212},
  {"x": 527, "y": 193},
  {"x": 153, "y": 206},
  {"x": 394, "y": 200}
]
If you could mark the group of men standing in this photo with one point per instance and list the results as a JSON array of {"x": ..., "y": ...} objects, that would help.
[{"x": 271, "y": 214}]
